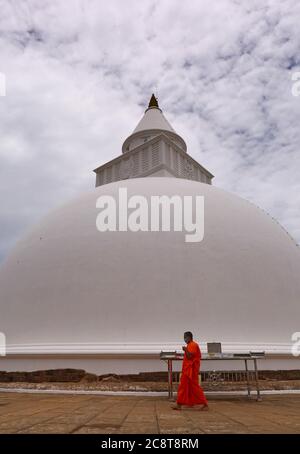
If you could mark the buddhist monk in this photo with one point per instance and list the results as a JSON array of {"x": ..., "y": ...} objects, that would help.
[{"x": 190, "y": 392}]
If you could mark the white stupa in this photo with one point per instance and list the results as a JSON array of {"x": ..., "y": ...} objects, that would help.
[{"x": 72, "y": 296}]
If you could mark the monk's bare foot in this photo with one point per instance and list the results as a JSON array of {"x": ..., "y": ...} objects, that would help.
[
  {"x": 202, "y": 407},
  {"x": 176, "y": 407}
]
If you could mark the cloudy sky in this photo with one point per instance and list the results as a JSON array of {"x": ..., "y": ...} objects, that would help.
[{"x": 80, "y": 73}]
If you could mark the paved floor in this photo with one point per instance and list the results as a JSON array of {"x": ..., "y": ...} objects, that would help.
[{"x": 43, "y": 413}]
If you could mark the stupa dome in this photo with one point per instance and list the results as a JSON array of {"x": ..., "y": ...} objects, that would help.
[{"x": 67, "y": 287}]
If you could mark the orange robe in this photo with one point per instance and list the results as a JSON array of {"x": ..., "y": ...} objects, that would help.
[{"x": 189, "y": 391}]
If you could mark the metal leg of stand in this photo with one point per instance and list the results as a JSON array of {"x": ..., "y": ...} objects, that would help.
[
  {"x": 248, "y": 381},
  {"x": 257, "y": 381},
  {"x": 170, "y": 379}
]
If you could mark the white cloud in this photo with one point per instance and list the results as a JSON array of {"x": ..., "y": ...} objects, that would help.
[{"x": 79, "y": 75}]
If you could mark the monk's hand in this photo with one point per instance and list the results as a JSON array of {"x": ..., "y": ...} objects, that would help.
[{"x": 188, "y": 354}]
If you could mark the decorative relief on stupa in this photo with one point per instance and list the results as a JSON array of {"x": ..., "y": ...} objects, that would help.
[
  {"x": 145, "y": 160},
  {"x": 155, "y": 154},
  {"x": 126, "y": 168},
  {"x": 189, "y": 170}
]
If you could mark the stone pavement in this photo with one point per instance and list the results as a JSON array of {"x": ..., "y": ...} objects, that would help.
[{"x": 44, "y": 413}]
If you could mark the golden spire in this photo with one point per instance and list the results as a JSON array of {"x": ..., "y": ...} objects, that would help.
[{"x": 153, "y": 102}]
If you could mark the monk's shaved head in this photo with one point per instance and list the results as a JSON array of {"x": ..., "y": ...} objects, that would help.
[{"x": 188, "y": 336}]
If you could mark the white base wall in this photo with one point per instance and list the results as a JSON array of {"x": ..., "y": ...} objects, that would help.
[{"x": 131, "y": 366}]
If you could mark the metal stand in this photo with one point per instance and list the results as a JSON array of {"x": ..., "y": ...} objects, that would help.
[{"x": 170, "y": 356}]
